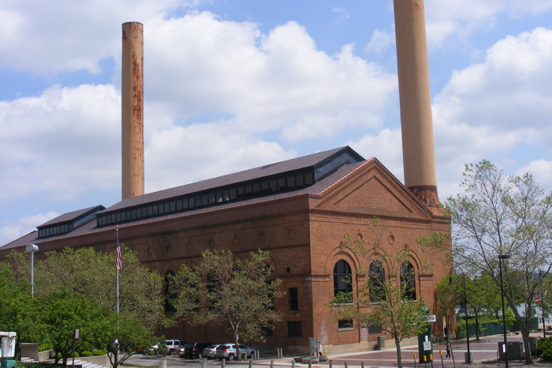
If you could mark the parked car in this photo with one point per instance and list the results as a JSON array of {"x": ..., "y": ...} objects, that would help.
[
  {"x": 228, "y": 351},
  {"x": 210, "y": 352},
  {"x": 180, "y": 351},
  {"x": 156, "y": 349},
  {"x": 194, "y": 349},
  {"x": 172, "y": 346}
]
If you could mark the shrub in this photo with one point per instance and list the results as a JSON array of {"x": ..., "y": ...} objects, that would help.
[
  {"x": 545, "y": 348},
  {"x": 99, "y": 352},
  {"x": 18, "y": 364},
  {"x": 43, "y": 347},
  {"x": 85, "y": 353}
]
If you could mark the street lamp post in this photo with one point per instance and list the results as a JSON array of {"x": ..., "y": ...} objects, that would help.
[
  {"x": 505, "y": 348},
  {"x": 468, "y": 358},
  {"x": 32, "y": 248},
  {"x": 543, "y": 315}
]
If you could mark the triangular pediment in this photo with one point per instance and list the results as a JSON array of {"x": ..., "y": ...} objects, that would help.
[{"x": 372, "y": 189}]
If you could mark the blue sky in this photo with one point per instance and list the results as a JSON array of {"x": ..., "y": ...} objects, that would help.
[{"x": 232, "y": 84}]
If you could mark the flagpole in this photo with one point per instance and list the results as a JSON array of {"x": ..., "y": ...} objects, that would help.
[{"x": 118, "y": 251}]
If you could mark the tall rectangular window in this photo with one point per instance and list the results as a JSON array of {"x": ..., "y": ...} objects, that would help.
[
  {"x": 293, "y": 299},
  {"x": 294, "y": 329},
  {"x": 267, "y": 331}
]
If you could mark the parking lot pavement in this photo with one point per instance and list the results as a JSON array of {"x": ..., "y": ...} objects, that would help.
[{"x": 484, "y": 354}]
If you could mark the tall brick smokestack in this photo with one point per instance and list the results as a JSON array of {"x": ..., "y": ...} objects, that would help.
[
  {"x": 132, "y": 110},
  {"x": 415, "y": 101}
]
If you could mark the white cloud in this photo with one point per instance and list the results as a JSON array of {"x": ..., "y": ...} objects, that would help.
[
  {"x": 541, "y": 171},
  {"x": 497, "y": 105},
  {"x": 23, "y": 225},
  {"x": 45, "y": 37},
  {"x": 460, "y": 18},
  {"x": 266, "y": 83},
  {"x": 62, "y": 142},
  {"x": 508, "y": 91},
  {"x": 381, "y": 40}
]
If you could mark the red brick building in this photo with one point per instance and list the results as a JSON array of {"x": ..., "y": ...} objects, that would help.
[{"x": 299, "y": 210}]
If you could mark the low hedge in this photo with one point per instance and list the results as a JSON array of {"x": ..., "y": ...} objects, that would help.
[
  {"x": 545, "y": 348},
  {"x": 58, "y": 355}
]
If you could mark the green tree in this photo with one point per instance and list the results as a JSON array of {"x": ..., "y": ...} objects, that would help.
[
  {"x": 482, "y": 304},
  {"x": 121, "y": 337},
  {"x": 225, "y": 288},
  {"x": 499, "y": 214},
  {"x": 18, "y": 310},
  {"x": 63, "y": 312},
  {"x": 386, "y": 300},
  {"x": 91, "y": 273},
  {"x": 89, "y": 277}
]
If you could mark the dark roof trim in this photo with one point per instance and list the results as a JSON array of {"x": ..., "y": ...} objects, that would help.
[
  {"x": 72, "y": 216},
  {"x": 276, "y": 169},
  {"x": 68, "y": 222}
]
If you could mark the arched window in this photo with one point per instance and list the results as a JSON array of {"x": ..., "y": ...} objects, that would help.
[
  {"x": 408, "y": 281},
  {"x": 342, "y": 279},
  {"x": 170, "y": 292},
  {"x": 376, "y": 276}
]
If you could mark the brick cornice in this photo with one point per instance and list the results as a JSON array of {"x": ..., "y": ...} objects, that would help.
[{"x": 368, "y": 216}]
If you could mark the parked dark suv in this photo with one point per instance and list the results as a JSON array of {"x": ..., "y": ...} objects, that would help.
[{"x": 195, "y": 349}]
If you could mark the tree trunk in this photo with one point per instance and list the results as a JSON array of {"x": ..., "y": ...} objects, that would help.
[
  {"x": 398, "y": 345},
  {"x": 526, "y": 344},
  {"x": 524, "y": 334},
  {"x": 238, "y": 352},
  {"x": 476, "y": 324}
]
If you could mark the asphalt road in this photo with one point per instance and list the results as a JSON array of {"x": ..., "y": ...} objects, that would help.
[{"x": 484, "y": 354}]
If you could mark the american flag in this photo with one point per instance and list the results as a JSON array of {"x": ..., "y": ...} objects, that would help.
[{"x": 118, "y": 252}]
